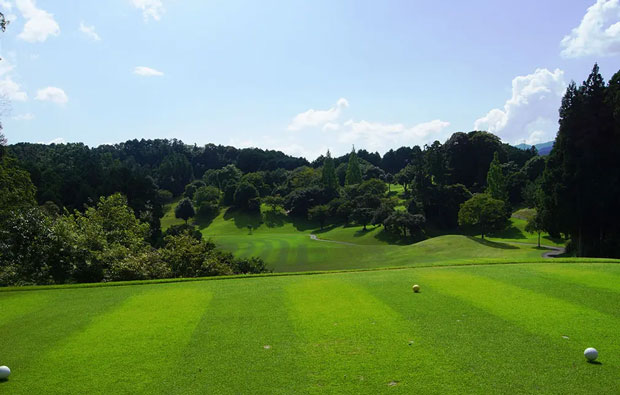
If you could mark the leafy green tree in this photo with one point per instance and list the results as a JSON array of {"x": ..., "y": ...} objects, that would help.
[
  {"x": 381, "y": 214},
  {"x": 175, "y": 172},
  {"x": 16, "y": 189},
  {"x": 319, "y": 213},
  {"x": 402, "y": 221},
  {"x": 354, "y": 173},
  {"x": 246, "y": 197},
  {"x": 207, "y": 200},
  {"x": 363, "y": 216},
  {"x": 496, "y": 181},
  {"x": 274, "y": 202},
  {"x": 184, "y": 210},
  {"x": 483, "y": 212},
  {"x": 328, "y": 174},
  {"x": 535, "y": 225}
]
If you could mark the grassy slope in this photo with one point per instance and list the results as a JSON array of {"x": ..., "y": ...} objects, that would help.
[
  {"x": 286, "y": 246},
  {"x": 484, "y": 329}
]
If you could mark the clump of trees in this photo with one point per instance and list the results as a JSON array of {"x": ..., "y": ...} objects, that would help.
[{"x": 580, "y": 186}]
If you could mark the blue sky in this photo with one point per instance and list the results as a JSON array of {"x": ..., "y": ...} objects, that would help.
[{"x": 298, "y": 76}]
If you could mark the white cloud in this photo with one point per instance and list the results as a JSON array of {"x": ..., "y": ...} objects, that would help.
[
  {"x": 52, "y": 94},
  {"x": 11, "y": 90},
  {"x": 147, "y": 71},
  {"x": 531, "y": 113},
  {"x": 598, "y": 33},
  {"x": 57, "y": 140},
  {"x": 39, "y": 25},
  {"x": 377, "y": 136},
  {"x": 7, "y": 6},
  {"x": 150, "y": 8},
  {"x": 89, "y": 31},
  {"x": 331, "y": 126},
  {"x": 318, "y": 117},
  {"x": 23, "y": 117}
]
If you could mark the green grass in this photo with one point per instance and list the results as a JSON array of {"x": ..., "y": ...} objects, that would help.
[
  {"x": 286, "y": 245},
  {"x": 169, "y": 219},
  {"x": 473, "y": 329}
]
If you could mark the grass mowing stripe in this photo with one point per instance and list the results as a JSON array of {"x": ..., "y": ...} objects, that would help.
[
  {"x": 355, "y": 343},
  {"x": 482, "y": 352},
  {"x": 14, "y": 305},
  {"x": 39, "y": 330},
  {"x": 244, "y": 343},
  {"x": 535, "y": 278},
  {"x": 126, "y": 350},
  {"x": 590, "y": 278}
]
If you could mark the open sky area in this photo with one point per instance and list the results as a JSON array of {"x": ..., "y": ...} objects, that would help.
[{"x": 296, "y": 76}]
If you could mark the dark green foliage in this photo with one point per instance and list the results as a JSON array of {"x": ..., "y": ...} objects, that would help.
[
  {"x": 441, "y": 204},
  {"x": 246, "y": 197},
  {"x": 496, "y": 181},
  {"x": 176, "y": 230},
  {"x": 207, "y": 201},
  {"x": 535, "y": 225},
  {"x": 274, "y": 202},
  {"x": 354, "y": 173},
  {"x": 581, "y": 182},
  {"x": 328, "y": 173},
  {"x": 484, "y": 213},
  {"x": 16, "y": 189},
  {"x": 381, "y": 214},
  {"x": 319, "y": 213},
  {"x": 174, "y": 173},
  {"x": 191, "y": 188},
  {"x": 403, "y": 221},
  {"x": 300, "y": 200},
  {"x": 362, "y": 215},
  {"x": 184, "y": 210},
  {"x": 534, "y": 167},
  {"x": 468, "y": 156}
]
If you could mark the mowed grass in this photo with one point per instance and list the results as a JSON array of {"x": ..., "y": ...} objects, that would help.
[
  {"x": 473, "y": 329},
  {"x": 286, "y": 245}
]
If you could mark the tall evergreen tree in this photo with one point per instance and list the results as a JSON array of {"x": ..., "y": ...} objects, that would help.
[
  {"x": 496, "y": 181},
  {"x": 580, "y": 180},
  {"x": 329, "y": 179},
  {"x": 354, "y": 173}
]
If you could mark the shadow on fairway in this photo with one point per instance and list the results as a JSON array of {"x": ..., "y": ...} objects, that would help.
[
  {"x": 512, "y": 232},
  {"x": 595, "y": 363},
  {"x": 243, "y": 219},
  {"x": 275, "y": 219},
  {"x": 493, "y": 244}
]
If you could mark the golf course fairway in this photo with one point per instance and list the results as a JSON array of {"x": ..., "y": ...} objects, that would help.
[{"x": 519, "y": 328}]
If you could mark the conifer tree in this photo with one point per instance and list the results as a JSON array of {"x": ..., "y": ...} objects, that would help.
[
  {"x": 354, "y": 173},
  {"x": 329, "y": 179}
]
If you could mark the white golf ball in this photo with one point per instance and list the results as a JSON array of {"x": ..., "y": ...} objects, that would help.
[
  {"x": 5, "y": 372},
  {"x": 416, "y": 288},
  {"x": 590, "y": 353}
]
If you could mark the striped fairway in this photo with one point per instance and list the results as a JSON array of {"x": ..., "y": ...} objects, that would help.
[{"x": 478, "y": 329}]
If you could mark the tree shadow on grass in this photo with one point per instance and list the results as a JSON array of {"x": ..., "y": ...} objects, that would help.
[
  {"x": 203, "y": 221},
  {"x": 493, "y": 244},
  {"x": 275, "y": 219},
  {"x": 511, "y": 232},
  {"x": 244, "y": 219},
  {"x": 399, "y": 239}
]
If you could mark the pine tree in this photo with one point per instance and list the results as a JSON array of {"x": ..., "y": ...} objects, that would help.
[
  {"x": 496, "y": 181},
  {"x": 354, "y": 173},
  {"x": 329, "y": 179}
]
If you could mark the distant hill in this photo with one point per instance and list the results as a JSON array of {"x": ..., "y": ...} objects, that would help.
[{"x": 543, "y": 148}]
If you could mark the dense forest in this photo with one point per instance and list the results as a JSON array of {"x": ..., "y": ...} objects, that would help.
[{"x": 74, "y": 213}]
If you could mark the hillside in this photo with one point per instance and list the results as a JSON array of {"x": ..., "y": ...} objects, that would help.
[{"x": 543, "y": 148}]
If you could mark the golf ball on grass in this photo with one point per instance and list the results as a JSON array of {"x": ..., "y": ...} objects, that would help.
[
  {"x": 590, "y": 353},
  {"x": 416, "y": 288},
  {"x": 5, "y": 372}
]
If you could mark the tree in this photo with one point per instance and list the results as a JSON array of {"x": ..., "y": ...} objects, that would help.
[
  {"x": 274, "y": 202},
  {"x": 354, "y": 173},
  {"x": 328, "y": 174},
  {"x": 184, "y": 210},
  {"x": 207, "y": 200},
  {"x": 535, "y": 225},
  {"x": 246, "y": 197},
  {"x": 483, "y": 212},
  {"x": 496, "y": 181},
  {"x": 363, "y": 216},
  {"x": 319, "y": 213},
  {"x": 402, "y": 221},
  {"x": 580, "y": 184}
]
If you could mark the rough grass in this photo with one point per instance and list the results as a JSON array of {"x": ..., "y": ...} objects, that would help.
[{"x": 474, "y": 329}]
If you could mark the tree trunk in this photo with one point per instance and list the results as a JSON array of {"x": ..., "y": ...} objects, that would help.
[{"x": 538, "y": 239}]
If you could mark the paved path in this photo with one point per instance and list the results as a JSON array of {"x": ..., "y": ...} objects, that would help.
[
  {"x": 555, "y": 251},
  {"x": 313, "y": 237}
]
